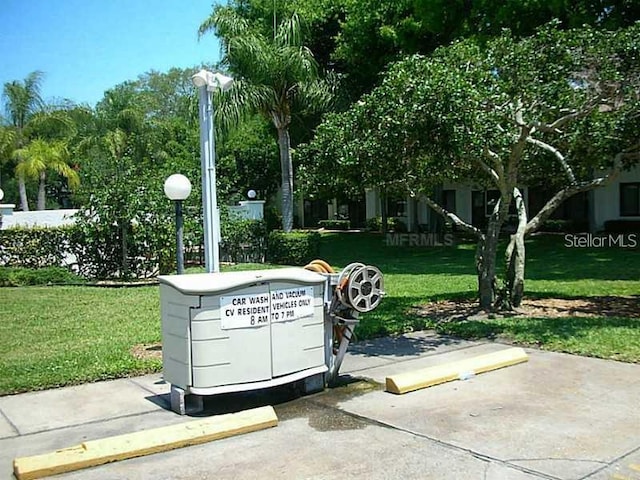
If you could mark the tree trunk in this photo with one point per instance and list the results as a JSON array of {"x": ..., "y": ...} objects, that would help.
[
  {"x": 286, "y": 167},
  {"x": 384, "y": 218},
  {"x": 487, "y": 272},
  {"x": 125, "y": 251},
  {"x": 22, "y": 188},
  {"x": 486, "y": 260},
  {"x": 41, "y": 192},
  {"x": 515, "y": 257}
]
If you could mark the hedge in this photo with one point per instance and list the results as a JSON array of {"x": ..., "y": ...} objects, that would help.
[
  {"x": 35, "y": 247},
  {"x": 294, "y": 248},
  {"x": 622, "y": 226},
  {"x": 243, "y": 241},
  {"x": 95, "y": 250},
  {"x": 564, "y": 226},
  {"x": 394, "y": 224},
  {"x": 335, "y": 224}
]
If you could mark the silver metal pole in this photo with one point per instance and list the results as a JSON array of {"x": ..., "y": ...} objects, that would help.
[
  {"x": 209, "y": 200},
  {"x": 179, "y": 238}
]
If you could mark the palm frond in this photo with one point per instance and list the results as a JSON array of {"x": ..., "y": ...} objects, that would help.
[
  {"x": 288, "y": 33},
  {"x": 22, "y": 99}
]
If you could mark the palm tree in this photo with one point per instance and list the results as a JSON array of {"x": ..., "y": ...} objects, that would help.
[
  {"x": 7, "y": 143},
  {"x": 40, "y": 156},
  {"x": 275, "y": 77},
  {"x": 22, "y": 101}
]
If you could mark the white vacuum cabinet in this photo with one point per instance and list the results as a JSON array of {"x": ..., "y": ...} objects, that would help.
[{"x": 234, "y": 331}]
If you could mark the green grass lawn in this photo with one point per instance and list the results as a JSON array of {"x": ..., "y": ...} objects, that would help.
[
  {"x": 417, "y": 275},
  {"x": 51, "y": 336}
]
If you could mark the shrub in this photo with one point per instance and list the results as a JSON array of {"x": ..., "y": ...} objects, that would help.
[
  {"x": 373, "y": 224},
  {"x": 622, "y": 226},
  {"x": 335, "y": 224},
  {"x": 394, "y": 224},
  {"x": 294, "y": 248},
  {"x": 272, "y": 218},
  {"x": 36, "y": 247},
  {"x": 19, "y": 277},
  {"x": 243, "y": 241},
  {"x": 564, "y": 226},
  {"x": 397, "y": 225}
]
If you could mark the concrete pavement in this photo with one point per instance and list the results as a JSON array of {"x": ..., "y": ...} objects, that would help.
[{"x": 556, "y": 417}]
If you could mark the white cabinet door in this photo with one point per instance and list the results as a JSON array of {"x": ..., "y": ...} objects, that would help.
[{"x": 227, "y": 347}]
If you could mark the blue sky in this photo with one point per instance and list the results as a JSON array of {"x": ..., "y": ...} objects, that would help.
[{"x": 85, "y": 47}]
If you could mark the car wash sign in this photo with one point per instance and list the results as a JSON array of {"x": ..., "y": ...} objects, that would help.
[
  {"x": 291, "y": 304},
  {"x": 258, "y": 309}
]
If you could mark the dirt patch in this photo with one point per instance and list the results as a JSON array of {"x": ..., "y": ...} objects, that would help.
[
  {"x": 147, "y": 351},
  {"x": 455, "y": 310}
]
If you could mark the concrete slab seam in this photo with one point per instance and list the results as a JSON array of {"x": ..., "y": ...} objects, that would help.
[
  {"x": 11, "y": 424},
  {"x": 90, "y": 422},
  {"x": 611, "y": 463},
  {"x": 480, "y": 456}
]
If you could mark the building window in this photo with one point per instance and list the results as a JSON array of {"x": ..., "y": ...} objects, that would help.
[
  {"x": 449, "y": 200},
  {"x": 629, "y": 199},
  {"x": 396, "y": 208}
]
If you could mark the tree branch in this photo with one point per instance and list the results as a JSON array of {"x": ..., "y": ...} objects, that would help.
[
  {"x": 571, "y": 190},
  {"x": 492, "y": 173},
  {"x": 555, "y": 126},
  {"x": 557, "y": 154},
  {"x": 452, "y": 217},
  {"x": 495, "y": 159}
]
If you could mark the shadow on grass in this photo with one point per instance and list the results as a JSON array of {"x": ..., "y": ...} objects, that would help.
[{"x": 400, "y": 314}]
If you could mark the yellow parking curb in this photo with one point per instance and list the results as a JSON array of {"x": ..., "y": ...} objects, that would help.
[
  {"x": 121, "y": 447},
  {"x": 427, "y": 377}
]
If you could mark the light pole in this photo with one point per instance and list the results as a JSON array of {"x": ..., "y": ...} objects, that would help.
[
  {"x": 208, "y": 82},
  {"x": 178, "y": 188}
]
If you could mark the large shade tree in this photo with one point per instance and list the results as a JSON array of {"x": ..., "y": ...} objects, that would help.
[
  {"x": 559, "y": 108},
  {"x": 276, "y": 76}
]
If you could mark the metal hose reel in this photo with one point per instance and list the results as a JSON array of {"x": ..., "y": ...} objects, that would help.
[
  {"x": 364, "y": 288},
  {"x": 357, "y": 289}
]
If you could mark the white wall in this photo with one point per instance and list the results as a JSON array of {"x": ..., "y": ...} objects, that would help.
[
  {"x": 606, "y": 200},
  {"x": 39, "y": 218},
  {"x": 372, "y": 203}
]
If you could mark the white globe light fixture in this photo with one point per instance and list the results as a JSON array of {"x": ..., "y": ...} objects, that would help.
[
  {"x": 177, "y": 187},
  {"x": 1, "y": 194},
  {"x": 209, "y": 82},
  {"x": 252, "y": 194}
]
